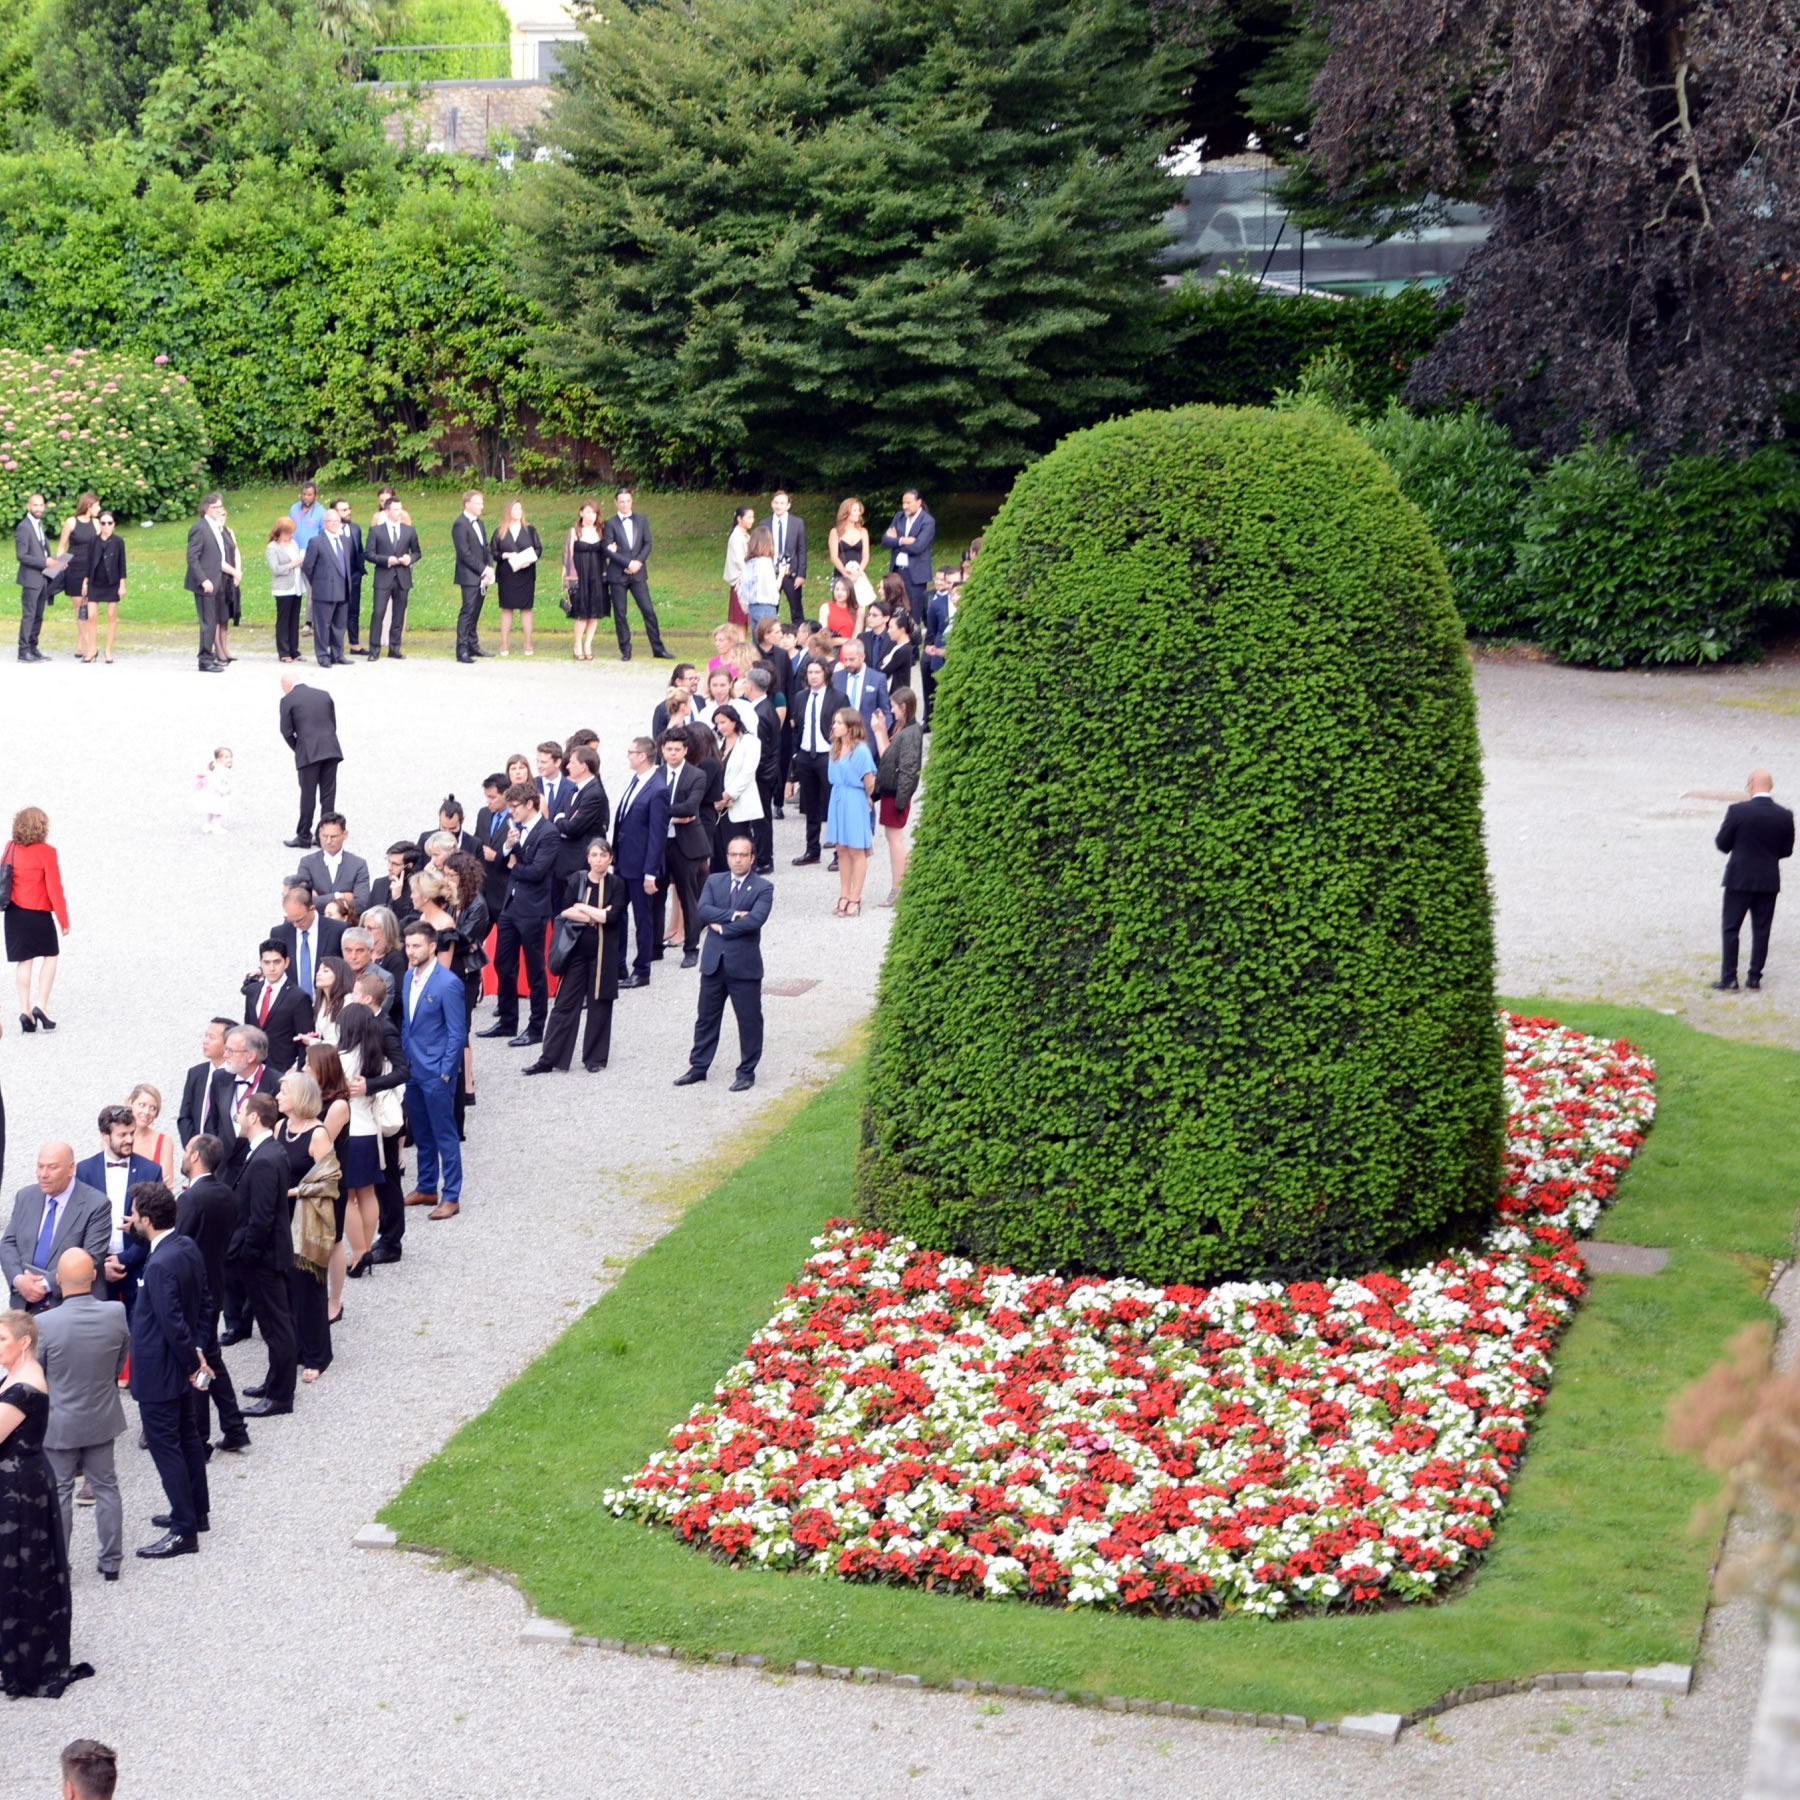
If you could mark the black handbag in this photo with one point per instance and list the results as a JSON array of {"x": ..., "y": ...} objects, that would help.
[
  {"x": 6, "y": 878},
  {"x": 563, "y": 943}
]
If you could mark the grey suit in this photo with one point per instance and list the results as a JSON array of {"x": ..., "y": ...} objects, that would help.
[
  {"x": 84, "y": 1223},
  {"x": 82, "y": 1345},
  {"x": 31, "y": 546},
  {"x": 352, "y": 877}
]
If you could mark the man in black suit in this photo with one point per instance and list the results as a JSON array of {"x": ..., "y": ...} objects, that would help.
[
  {"x": 371, "y": 991},
  {"x": 910, "y": 539},
  {"x": 1757, "y": 836},
  {"x": 815, "y": 706},
  {"x": 759, "y": 682},
  {"x": 168, "y": 1330},
  {"x": 393, "y": 552},
  {"x": 276, "y": 1006},
  {"x": 531, "y": 855},
  {"x": 474, "y": 574},
  {"x": 689, "y": 853},
  {"x": 207, "y": 1213},
  {"x": 248, "y": 1070},
  {"x": 305, "y": 933},
  {"x": 627, "y": 548},
  {"x": 640, "y": 845},
  {"x": 789, "y": 532},
  {"x": 196, "y": 1114},
  {"x": 491, "y": 826},
  {"x": 206, "y": 580},
  {"x": 358, "y": 563},
  {"x": 261, "y": 1254},
  {"x": 309, "y": 728},
  {"x": 583, "y": 814},
  {"x": 31, "y": 545},
  {"x": 733, "y": 910}
]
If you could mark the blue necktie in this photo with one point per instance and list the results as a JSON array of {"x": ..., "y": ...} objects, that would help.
[
  {"x": 306, "y": 986},
  {"x": 40, "y": 1257}
]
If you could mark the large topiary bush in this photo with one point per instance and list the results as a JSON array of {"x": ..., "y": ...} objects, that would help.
[
  {"x": 131, "y": 430},
  {"x": 1193, "y": 969}
]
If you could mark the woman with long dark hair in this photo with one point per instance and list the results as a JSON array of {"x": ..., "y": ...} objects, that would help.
[
  {"x": 79, "y": 536},
  {"x": 362, "y": 1058}
]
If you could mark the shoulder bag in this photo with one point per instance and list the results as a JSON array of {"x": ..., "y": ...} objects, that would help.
[
  {"x": 386, "y": 1110},
  {"x": 6, "y": 878}
]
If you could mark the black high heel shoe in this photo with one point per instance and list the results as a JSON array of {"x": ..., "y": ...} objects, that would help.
[
  {"x": 27, "y": 1022},
  {"x": 360, "y": 1267},
  {"x": 43, "y": 1018}
]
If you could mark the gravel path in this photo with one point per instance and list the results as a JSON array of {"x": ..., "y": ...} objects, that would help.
[{"x": 282, "y": 1663}]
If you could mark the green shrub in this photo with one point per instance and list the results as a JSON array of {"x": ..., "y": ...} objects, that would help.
[
  {"x": 131, "y": 431},
  {"x": 1237, "y": 344},
  {"x": 1193, "y": 969},
  {"x": 1462, "y": 471},
  {"x": 448, "y": 22},
  {"x": 1621, "y": 568}
]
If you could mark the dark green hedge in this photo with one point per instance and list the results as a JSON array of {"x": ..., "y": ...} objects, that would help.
[
  {"x": 1236, "y": 344},
  {"x": 1193, "y": 969}
]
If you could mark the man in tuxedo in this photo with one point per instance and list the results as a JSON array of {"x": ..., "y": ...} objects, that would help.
[
  {"x": 532, "y": 896},
  {"x": 553, "y": 783},
  {"x": 206, "y": 580},
  {"x": 940, "y": 615},
  {"x": 353, "y": 537},
  {"x": 326, "y": 569},
  {"x": 196, "y": 1114},
  {"x": 434, "y": 1028},
  {"x": 688, "y": 855},
  {"x": 393, "y": 552},
  {"x": 336, "y": 873},
  {"x": 866, "y": 691},
  {"x": 491, "y": 826},
  {"x": 816, "y": 707},
  {"x": 1757, "y": 837},
  {"x": 474, "y": 574},
  {"x": 309, "y": 728},
  {"x": 789, "y": 532},
  {"x": 83, "y": 1346},
  {"x": 395, "y": 1073},
  {"x": 247, "y": 1071},
  {"x": 277, "y": 1007},
  {"x": 206, "y": 1212},
  {"x": 31, "y": 545},
  {"x": 394, "y": 889},
  {"x": 58, "y": 1214},
  {"x": 640, "y": 845},
  {"x": 733, "y": 909},
  {"x": 115, "y": 1169},
  {"x": 305, "y": 933},
  {"x": 627, "y": 549},
  {"x": 261, "y": 1254},
  {"x": 168, "y": 1328},
  {"x": 909, "y": 539},
  {"x": 582, "y": 815}
]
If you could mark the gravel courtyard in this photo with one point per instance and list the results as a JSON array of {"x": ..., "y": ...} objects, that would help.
[{"x": 281, "y": 1662}]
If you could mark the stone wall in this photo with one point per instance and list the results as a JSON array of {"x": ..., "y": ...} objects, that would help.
[{"x": 465, "y": 115}]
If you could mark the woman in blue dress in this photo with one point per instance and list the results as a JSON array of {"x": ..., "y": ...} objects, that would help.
[{"x": 852, "y": 774}]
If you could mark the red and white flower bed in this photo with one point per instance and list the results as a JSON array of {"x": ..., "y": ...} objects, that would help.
[{"x": 1259, "y": 1447}]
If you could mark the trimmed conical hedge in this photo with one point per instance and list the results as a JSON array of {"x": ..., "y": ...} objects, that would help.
[{"x": 1192, "y": 974}]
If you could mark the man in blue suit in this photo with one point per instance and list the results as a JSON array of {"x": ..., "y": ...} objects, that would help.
[
  {"x": 326, "y": 567},
  {"x": 640, "y": 842},
  {"x": 434, "y": 1027},
  {"x": 733, "y": 910},
  {"x": 531, "y": 847},
  {"x": 910, "y": 538},
  {"x": 115, "y": 1169},
  {"x": 168, "y": 1327},
  {"x": 865, "y": 689}
]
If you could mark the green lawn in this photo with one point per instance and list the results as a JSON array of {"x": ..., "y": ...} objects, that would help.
[
  {"x": 1593, "y": 1565},
  {"x": 689, "y": 531}
]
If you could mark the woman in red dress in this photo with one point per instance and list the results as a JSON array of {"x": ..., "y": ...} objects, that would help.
[{"x": 36, "y": 909}]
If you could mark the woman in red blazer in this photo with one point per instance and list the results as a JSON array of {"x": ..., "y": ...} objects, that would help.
[{"x": 37, "y": 894}]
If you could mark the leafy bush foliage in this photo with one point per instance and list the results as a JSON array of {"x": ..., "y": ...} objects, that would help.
[
  {"x": 1237, "y": 344},
  {"x": 1193, "y": 970},
  {"x": 1621, "y": 567},
  {"x": 1463, "y": 472},
  {"x": 131, "y": 431}
]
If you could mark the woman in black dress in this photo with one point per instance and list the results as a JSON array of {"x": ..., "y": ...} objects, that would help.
[
  {"x": 34, "y": 1563},
  {"x": 595, "y": 900},
  {"x": 584, "y": 575},
  {"x": 306, "y": 1139},
  {"x": 898, "y": 651},
  {"x": 79, "y": 536},
  {"x": 517, "y": 550},
  {"x": 106, "y": 578}
]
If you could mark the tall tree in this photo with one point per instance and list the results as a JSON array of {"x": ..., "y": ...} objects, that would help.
[
  {"x": 1642, "y": 162},
  {"x": 829, "y": 237}
]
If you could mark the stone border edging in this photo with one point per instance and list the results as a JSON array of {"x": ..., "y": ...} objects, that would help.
[{"x": 1380, "y": 1728}]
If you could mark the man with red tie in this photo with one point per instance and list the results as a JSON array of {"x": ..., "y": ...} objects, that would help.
[{"x": 276, "y": 1007}]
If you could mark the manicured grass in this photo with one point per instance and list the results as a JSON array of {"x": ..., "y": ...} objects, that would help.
[
  {"x": 1593, "y": 1565},
  {"x": 688, "y": 553}
]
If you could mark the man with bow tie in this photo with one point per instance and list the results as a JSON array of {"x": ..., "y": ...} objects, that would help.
[
  {"x": 734, "y": 907},
  {"x": 627, "y": 547},
  {"x": 114, "y": 1170}
]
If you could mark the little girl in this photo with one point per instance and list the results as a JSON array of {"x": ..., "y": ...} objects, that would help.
[{"x": 213, "y": 789}]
